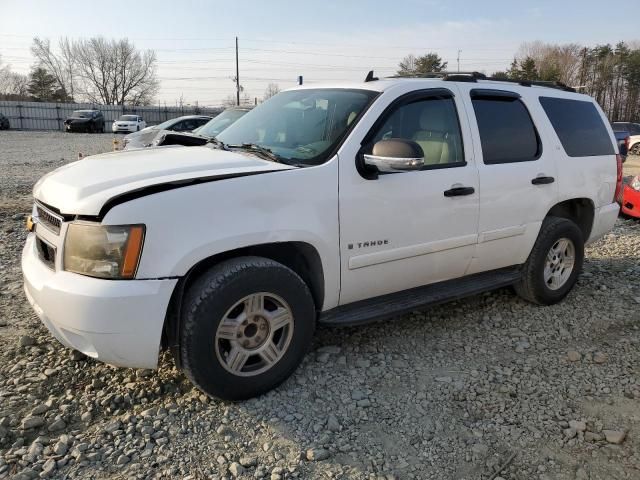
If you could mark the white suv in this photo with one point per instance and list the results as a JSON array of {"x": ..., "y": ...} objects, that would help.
[{"x": 335, "y": 205}]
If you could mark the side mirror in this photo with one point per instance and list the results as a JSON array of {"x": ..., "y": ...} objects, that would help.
[{"x": 395, "y": 155}]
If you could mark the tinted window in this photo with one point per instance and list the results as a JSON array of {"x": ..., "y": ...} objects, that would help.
[
  {"x": 579, "y": 127},
  {"x": 634, "y": 129},
  {"x": 433, "y": 124},
  {"x": 507, "y": 133},
  {"x": 620, "y": 127}
]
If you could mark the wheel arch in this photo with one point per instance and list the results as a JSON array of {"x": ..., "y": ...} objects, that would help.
[
  {"x": 301, "y": 257},
  {"x": 581, "y": 211}
]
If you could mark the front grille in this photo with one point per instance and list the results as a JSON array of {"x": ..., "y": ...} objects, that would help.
[
  {"x": 48, "y": 219},
  {"x": 46, "y": 253}
]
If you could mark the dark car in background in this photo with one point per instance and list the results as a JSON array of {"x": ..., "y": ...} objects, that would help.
[
  {"x": 4, "y": 122},
  {"x": 203, "y": 134},
  {"x": 145, "y": 137},
  {"x": 622, "y": 138},
  {"x": 89, "y": 121},
  {"x": 633, "y": 129}
]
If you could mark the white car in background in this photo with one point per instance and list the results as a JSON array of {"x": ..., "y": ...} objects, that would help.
[{"x": 128, "y": 123}]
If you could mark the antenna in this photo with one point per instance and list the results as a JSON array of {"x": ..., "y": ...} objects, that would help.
[{"x": 370, "y": 77}]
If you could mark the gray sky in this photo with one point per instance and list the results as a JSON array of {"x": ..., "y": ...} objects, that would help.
[{"x": 322, "y": 40}]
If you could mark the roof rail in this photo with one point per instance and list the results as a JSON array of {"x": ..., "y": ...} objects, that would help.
[{"x": 475, "y": 76}]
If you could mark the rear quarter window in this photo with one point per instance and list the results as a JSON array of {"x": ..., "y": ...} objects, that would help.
[{"x": 578, "y": 126}]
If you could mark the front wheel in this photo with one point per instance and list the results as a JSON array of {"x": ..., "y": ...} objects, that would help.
[
  {"x": 554, "y": 263},
  {"x": 635, "y": 149},
  {"x": 246, "y": 325}
]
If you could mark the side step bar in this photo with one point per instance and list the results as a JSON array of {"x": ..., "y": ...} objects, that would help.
[{"x": 394, "y": 304}]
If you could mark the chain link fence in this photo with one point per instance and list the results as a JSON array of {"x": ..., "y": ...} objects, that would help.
[{"x": 51, "y": 116}]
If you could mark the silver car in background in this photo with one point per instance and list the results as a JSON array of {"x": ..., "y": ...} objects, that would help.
[{"x": 145, "y": 137}]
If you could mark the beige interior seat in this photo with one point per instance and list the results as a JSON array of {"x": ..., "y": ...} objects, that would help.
[{"x": 433, "y": 135}]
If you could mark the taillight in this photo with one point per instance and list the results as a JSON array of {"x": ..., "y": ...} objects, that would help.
[{"x": 617, "y": 197}]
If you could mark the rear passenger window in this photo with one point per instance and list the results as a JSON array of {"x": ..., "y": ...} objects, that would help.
[
  {"x": 507, "y": 133},
  {"x": 579, "y": 127}
]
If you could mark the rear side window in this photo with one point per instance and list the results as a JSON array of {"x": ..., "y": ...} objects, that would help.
[
  {"x": 507, "y": 133},
  {"x": 579, "y": 127}
]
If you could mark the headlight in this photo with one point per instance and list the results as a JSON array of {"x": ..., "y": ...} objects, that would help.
[
  {"x": 635, "y": 183},
  {"x": 104, "y": 251}
]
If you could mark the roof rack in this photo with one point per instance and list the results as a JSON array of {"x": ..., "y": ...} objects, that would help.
[{"x": 475, "y": 76}]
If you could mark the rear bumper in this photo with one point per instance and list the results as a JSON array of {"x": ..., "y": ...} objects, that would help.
[
  {"x": 115, "y": 321},
  {"x": 630, "y": 202},
  {"x": 603, "y": 221}
]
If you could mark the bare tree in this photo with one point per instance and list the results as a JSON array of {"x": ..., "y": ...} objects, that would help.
[
  {"x": 13, "y": 85},
  {"x": 271, "y": 90},
  {"x": 553, "y": 62},
  {"x": 407, "y": 65},
  {"x": 62, "y": 65},
  {"x": 115, "y": 73},
  {"x": 112, "y": 72},
  {"x": 230, "y": 100}
]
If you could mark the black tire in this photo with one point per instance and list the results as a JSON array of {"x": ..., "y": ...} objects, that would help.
[
  {"x": 138, "y": 128},
  {"x": 90, "y": 128},
  {"x": 207, "y": 301},
  {"x": 532, "y": 286}
]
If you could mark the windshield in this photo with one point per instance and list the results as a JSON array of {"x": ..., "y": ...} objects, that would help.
[
  {"x": 216, "y": 125},
  {"x": 81, "y": 114},
  {"x": 167, "y": 124},
  {"x": 128, "y": 118},
  {"x": 300, "y": 126}
]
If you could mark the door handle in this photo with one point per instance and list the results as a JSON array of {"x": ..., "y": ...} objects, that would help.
[
  {"x": 459, "y": 191},
  {"x": 543, "y": 180}
]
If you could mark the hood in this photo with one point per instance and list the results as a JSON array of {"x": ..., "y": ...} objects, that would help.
[
  {"x": 142, "y": 138},
  {"x": 83, "y": 187},
  {"x": 77, "y": 119}
]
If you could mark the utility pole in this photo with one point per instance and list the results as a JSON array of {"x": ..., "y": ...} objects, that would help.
[
  {"x": 459, "y": 52},
  {"x": 237, "y": 76}
]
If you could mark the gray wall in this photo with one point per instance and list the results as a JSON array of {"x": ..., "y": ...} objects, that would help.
[{"x": 50, "y": 116}]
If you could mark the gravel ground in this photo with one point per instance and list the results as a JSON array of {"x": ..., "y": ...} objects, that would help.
[{"x": 456, "y": 391}]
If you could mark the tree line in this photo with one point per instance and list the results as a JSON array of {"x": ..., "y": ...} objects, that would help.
[
  {"x": 114, "y": 72},
  {"x": 94, "y": 70},
  {"x": 610, "y": 74}
]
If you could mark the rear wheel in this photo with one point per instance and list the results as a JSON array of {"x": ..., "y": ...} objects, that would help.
[
  {"x": 635, "y": 149},
  {"x": 246, "y": 325},
  {"x": 554, "y": 263}
]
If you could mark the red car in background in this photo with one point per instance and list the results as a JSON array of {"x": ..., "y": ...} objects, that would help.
[{"x": 630, "y": 198}]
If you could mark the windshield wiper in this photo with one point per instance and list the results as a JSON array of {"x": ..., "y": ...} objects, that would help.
[
  {"x": 262, "y": 151},
  {"x": 218, "y": 143}
]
